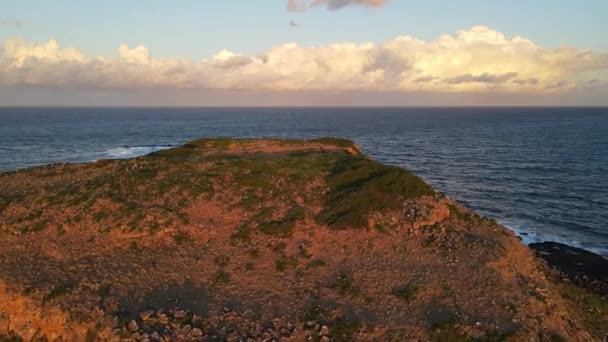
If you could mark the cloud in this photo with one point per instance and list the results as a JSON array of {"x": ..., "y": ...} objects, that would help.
[
  {"x": 424, "y": 79},
  {"x": 483, "y": 78},
  {"x": 476, "y": 60},
  {"x": 332, "y": 5},
  {"x": 11, "y": 23}
]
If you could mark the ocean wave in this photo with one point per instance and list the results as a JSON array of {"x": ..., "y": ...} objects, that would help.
[
  {"x": 529, "y": 237},
  {"x": 132, "y": 151}
]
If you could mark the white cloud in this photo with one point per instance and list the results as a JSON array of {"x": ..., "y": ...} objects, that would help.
[
  {"x": 470, "y": 61},
  {"x": 332, "y": 5},
  {"x": 9, "y": 22}
]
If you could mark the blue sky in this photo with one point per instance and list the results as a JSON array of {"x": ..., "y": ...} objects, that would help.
[
  {"x": 209, "y": 52},
  {"x": 200, "y": 28}
]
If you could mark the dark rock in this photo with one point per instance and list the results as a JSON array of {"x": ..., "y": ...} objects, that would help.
[{"x": 580, "y": 266}]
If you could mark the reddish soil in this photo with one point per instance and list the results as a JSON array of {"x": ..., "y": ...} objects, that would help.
[{"x": 267, "y": 240}]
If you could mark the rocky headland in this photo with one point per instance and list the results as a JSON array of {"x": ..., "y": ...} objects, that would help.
[{"x": 273, "y": 240}]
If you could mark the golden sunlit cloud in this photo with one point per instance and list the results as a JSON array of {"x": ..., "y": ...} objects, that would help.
[{"x": 474, "y": 60}]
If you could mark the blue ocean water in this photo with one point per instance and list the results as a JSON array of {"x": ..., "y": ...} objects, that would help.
[{"x": 540, "y": 171}]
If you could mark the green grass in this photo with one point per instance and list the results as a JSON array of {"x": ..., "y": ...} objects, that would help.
[{"x": 359, "y": 187}]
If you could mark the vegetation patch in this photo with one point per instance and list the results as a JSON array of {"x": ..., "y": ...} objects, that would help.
[
  {"x": 181, "y": 237},
  {"x": 343, "y": 283},
  {"x": 243, "y": 233},
  {"x": 338, "y": 142},
  {"x": 279, "y": 247},
  {"x": 284, "y": 227},
  {"x": 221, "y": 260},
  {"x": 381, "y": 228},
  {"x": 360, "y": 186},
  {"x": 344, "y": 328},
  {"x": 280, "y": 264},
  {"x": 316, "y": 263},
  {"x": 176, "y": 152},
  {"x": 37, "y": 226},
  {"x": 133, "y": 246},
  {"x": 283, "y": 263},
  {"x": 221, "y": 277},
  {"x": 596, "y": 320},
  {"x": 4, "y": 203},
  {"x": 58, "y": 291},
  {"x": 462, "y": 215},
  {"x": 405, "y": 292},
  {"x": 449, "y": 331}
]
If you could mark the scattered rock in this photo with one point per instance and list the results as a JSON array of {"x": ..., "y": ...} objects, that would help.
[
  {"x": 179, "y": 314},
  {"x": 196, "y": 332},
  {"x": 146, "y": 315},
  {"x": 4, "y": 323},
  {"x": 324, "y": 330},
  {"x": 163, "y": 319},
  {"x": 133, "y": 326}
]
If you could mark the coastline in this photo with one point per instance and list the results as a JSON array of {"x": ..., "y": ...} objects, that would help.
[{"x": 311, "y": 235}]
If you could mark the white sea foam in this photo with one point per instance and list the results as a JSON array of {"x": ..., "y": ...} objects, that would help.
[
  {"x": 529, "y": 237},
  {"x": 130, "y": 152}
]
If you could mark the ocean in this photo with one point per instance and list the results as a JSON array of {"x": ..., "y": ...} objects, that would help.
[{"x": 540, "y": 171}]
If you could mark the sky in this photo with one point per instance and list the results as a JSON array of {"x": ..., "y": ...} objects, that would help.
[{"x": 303, "y": 52}]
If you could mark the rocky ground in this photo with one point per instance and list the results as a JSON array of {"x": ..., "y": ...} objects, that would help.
[{"x": 229, "y": 240}]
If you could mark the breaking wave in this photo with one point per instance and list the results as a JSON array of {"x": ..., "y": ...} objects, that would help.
[{"x": 132, "y": 151}]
